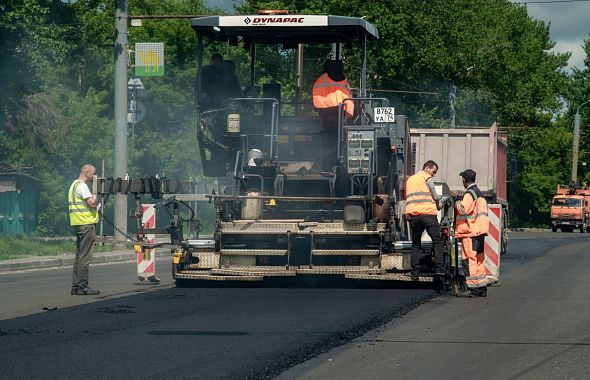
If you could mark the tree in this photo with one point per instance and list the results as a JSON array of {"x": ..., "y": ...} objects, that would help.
[
  {"x": 426, "y": 45},
  {"x": 56, "y": 106},
  {"x": 580, "y": 93}
]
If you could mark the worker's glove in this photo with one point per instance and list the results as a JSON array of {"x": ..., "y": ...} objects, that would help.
[{"x": 444, "y": 200}]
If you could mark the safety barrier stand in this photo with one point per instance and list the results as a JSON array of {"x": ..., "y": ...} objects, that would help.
[{"x": 146, "y": 257}]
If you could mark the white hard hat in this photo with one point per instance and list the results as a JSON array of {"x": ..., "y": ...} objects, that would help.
[{"x": 252, "y": 154}]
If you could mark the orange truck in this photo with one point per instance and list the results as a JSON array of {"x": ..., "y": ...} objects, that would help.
[{"x": 570, "y": 209}]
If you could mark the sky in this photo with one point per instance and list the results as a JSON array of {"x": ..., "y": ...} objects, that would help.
[{"x": 570, "y": 23}]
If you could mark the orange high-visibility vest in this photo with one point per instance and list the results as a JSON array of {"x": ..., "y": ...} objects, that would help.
[
  {"x": 328, "y": 93},
  {"x": 418, "y": 196},
  {"x": 472, "y": 214}
]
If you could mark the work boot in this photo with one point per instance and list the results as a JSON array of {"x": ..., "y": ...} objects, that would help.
[
  {"x": 74, "y": 291},
  {"x": 440, "y": 271},
  {"x": 87, "y": 291},
  {"x": 470, "y": 293},
  {"x": 414, "y": 274},
  {"x": 154, "y": 279}
]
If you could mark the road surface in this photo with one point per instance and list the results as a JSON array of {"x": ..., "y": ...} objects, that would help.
[{"x": 535, "y": 324}]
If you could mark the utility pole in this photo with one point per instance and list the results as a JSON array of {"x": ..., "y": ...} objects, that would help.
[
  {"x": 576, "y": 144},
  {"x": 120, "y": 152},
  {"x": 299, "y": 78},
  {"x": 452, "y": 96},
  {"x": 453, "y": 93}
]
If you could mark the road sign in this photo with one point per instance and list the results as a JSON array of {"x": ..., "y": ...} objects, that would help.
[
  {"x": 135, "y": 87},
  {"x": 136, "y": 111},
  {"x": 149, "y": 59}
]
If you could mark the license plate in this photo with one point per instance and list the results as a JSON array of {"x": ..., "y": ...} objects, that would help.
[{"x": 384, "y": 114}]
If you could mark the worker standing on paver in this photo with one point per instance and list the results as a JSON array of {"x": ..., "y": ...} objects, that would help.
[
  {"x": 472, "y": 228},
  {"x": 83, "y": 209},
  {"x": 422, "y": 205}
]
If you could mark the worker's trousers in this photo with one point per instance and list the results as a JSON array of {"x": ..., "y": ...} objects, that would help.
[
  {"x": 430, "y": 224},
  {"x": 473, "y": 264},
  {"x": 85, "y": 235}
]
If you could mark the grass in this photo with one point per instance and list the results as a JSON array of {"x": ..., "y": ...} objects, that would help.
[{"x": 20, "y": 247}]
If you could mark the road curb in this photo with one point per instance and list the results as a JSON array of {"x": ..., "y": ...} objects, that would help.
[
  {"x": 41, "y": 262},
  {"x": 529, "y": 229}
]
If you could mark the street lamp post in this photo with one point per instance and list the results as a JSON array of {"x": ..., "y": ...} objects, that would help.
[
  {"x": 576, "y": 144},
  {"x": 120, "y": 149}
]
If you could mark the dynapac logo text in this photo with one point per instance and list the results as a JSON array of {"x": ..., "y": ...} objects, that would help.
[{"x": 277, "y": 20}]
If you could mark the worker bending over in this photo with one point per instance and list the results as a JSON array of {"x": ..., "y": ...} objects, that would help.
[{"x": 422, "y": 205}]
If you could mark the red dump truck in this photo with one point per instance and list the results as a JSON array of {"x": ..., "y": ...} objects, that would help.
[
  {"x": 570, "y": 209},
  {"x": 483, "y": 149}
]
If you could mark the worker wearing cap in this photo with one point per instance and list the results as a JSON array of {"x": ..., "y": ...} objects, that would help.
[
  {"x": 472, "y": 227},
  {"x": 422, "y": 205},
  {"x": 83, "y": 217}
]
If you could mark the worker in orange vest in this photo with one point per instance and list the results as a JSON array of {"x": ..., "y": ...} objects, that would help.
[
  {"x": 329, "y": 91},
  {"x": 472, "y": 227},
  {"x": 331, "y": 88},
  {"x": 422, "y": 205}
]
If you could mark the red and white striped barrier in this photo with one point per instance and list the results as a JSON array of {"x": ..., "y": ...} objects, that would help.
[
  {"x": 492, "y": 243},
  {"x": 146, "y": 260}
]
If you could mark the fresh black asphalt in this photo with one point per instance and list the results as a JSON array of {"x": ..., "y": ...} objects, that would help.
[{"x": 196, "y": 332}]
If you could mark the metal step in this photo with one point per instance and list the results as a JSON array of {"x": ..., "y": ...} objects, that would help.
[
  {"x": 345, "y": 232},
  {"x": 300, "y": 227},
  {"x": 278, "y": 272},
  {"x": 254, "y": 252},
  {"x": 187, "y": 275},
  {"x": 345, "y": 252},
  {"x": 389, "y": 277},
  {"x": 325, "y": 269}
]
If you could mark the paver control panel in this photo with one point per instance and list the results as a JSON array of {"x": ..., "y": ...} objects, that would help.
[{"x": 359, "y": 144}]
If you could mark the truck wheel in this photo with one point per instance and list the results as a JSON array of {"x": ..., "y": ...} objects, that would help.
[
  {"x": 554, "y": 229},
  {"x": 588, "y": 229},
  {"x": 582, "y": 228}
]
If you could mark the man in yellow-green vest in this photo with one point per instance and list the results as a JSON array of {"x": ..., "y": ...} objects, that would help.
[{"x": 83, "y": 210}]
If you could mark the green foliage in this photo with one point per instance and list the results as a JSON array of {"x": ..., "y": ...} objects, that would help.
[
  {"x": 20, "y": 247},
  {"x": 56, "y": 105},
  {"x": 580, "y": 97},
  {"x": 427, "y": 45},
  {"x": 544, "y": 159}
]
